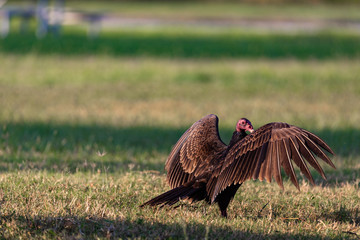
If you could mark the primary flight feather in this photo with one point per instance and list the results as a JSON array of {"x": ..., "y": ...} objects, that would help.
[{"x": 202, "y": 167}]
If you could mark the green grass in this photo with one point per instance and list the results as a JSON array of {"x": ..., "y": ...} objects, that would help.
[
  {"x": 84, "y": 141},
  {"x": 220, "y": 10},
  {"x": 94, "y": 205},
  {"x": 86, "y": 126},
  {"x": 190, "y": 44}
]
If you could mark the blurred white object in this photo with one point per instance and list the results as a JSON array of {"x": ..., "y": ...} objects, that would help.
[{"x": 2, "y": 2}]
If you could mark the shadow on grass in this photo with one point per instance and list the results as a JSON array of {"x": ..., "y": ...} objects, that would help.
[
  {"x": 92, "y": 228},
  {"x": 188, "y": 45},
  {"x": 67, "y": 147},
  {"x": 344, "y": 215},
  {"x": 71, "y": 147}
]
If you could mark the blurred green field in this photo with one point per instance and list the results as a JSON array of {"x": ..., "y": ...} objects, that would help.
[
  {"x": 216, "y": 9},
  {"x": 221, "y": 10},
  {"x": 191, "y": 44},
  {"x": 86, "y": 126}
]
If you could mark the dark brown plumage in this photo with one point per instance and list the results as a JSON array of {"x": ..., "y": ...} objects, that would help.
[{"x": 202, "y": 167}]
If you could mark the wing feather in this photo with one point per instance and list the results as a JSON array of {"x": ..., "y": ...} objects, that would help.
[
  {"x": 267, "y": 166},
  {"x": 246, "y": 165},
  {"x": 260, "y": 161},
  {"x": 262, "y": 154},
  {"x": 276, "y": 166},
  {"x": 196, "y": 151},
  {"x": 309, "y": 157},
  {"x": 286, "y": 164},
  {"x": 317, "y": 150},
  {"x": 252, "y": 165},
  {"x": 296, "y": 156},
  {"x": 319, "y": 141}
]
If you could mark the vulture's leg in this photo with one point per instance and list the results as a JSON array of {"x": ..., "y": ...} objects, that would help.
[{"x": 225, "y": 197}]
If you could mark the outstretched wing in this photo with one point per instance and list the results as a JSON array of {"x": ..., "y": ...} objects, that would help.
[
  {"x": 261, "y": 154},
  {"x": 195, "y": 151}
]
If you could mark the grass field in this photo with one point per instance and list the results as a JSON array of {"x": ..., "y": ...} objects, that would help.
[
  {"x": 86, "y": 126},
  {"x": 221, "y": 10},
  {"x": 191, "y": 44},
  {"x": 214, "y": 9}
]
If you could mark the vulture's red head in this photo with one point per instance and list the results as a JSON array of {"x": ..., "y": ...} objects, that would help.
[{"x": 244, "y": 125}]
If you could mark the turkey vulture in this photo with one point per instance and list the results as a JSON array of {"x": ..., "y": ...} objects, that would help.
[{"x": 202, "y": 167}]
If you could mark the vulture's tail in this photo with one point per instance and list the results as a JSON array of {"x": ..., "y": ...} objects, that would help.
[{"x": 191, "y": 191}]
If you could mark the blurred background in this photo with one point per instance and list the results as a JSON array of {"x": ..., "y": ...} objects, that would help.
[{"x": 115, "y": 83}]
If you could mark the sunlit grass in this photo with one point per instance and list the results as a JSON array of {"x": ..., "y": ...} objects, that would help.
[
  {"x": 84, "y": 138},
  {"x": 213, "y": 9},
  {"x": 123, "y": 91},
  {"x": 220, "y": 9},
  {"x": 99, "y": 205}
]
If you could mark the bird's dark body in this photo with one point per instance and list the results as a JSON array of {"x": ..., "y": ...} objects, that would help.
[
  {"x": 201, "y": 167},
  {"x": 224, "y": 198}
]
